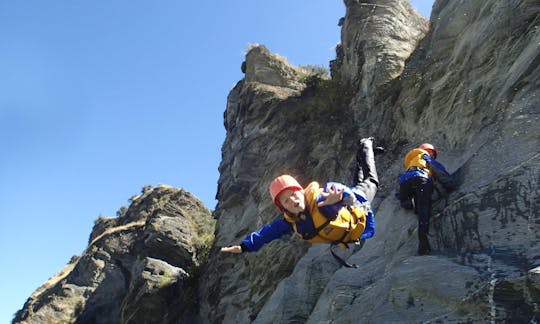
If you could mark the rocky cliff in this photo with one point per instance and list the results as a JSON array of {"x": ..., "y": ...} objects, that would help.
[
  {"x": 140, "y": 267},
  {"x": 469, "y": 84},
  {"x": 467, "y": 81}
]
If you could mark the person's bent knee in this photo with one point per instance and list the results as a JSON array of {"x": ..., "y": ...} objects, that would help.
[
  {"x": 370, "y": 189},
  {"x": 374, "y": 181}
]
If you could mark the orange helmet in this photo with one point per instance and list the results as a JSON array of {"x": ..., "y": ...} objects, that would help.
[
  {"x": 430, "y": 149},
  {"x": 281, "y": 183}
]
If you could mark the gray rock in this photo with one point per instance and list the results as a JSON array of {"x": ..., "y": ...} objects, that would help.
[
  {"x": 139, "y": 268},
  {"x": 270, "y": 69},
  {"x": 470, "y": 86},
  {"x": 153, "y": 286}
]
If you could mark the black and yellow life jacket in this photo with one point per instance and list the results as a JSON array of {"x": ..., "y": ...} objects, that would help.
[
  {"x": 415, "y": 158},
  {"x": 346, "y": 227}
]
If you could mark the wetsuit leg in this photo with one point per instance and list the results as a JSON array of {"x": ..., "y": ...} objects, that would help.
[
  {"x": 366, "y": 175},
  {"x": 422, "y": 197},
  {"x": 406, "y": 193}
]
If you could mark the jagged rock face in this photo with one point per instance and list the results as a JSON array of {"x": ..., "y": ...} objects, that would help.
[
  {"x": 138, "y": 268},
  {"x": 471, "y": 88},
  {"x": 270, "y": 69},
  {"x": 377, "y": 37}
]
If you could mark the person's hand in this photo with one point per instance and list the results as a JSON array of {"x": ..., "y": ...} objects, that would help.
[
  {"x": 333, "y": 196},
  {"x": 232, "y": 249}
]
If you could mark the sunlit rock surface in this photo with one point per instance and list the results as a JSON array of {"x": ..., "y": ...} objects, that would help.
[
  {"x": 470, "y": 85},
  {"x": 139, "y": 267}
]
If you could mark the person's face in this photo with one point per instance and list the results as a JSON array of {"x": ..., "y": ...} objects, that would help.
[{"x": 293, "y": 200}]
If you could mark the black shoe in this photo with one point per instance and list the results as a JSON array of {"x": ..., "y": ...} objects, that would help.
[
  {"x": 376, "y": 149},
  {"x": 367, "y": 139},
  {"x": 423, "y": 244}
]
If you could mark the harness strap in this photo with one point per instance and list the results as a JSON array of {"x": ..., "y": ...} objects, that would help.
[
  {"x": 340, "y": 241},
  {"x": 340, "y": 259},
  {"x": 316, "y": 231}
]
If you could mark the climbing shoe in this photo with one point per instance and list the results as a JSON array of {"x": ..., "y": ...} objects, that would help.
[{"x": 379, "y": 150}]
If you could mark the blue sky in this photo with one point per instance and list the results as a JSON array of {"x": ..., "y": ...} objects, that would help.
[{"x": 100, "y": 98}]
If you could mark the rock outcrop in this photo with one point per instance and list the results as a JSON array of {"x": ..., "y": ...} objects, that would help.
[
  {"x": 140, "y": 267},
  {"x": 467, "y": 81},
  {"x": 376, "y": 39}
]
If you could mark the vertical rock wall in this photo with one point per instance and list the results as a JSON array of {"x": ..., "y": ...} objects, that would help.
[
  {"x": 276, "y": 124},
  {"x": 471, "y": 87},
  {"x": 376, "y": 39}
]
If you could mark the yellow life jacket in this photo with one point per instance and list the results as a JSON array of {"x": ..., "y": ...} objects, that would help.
[
  {"x": 414, "y": 158},
  {"x": 348, "y": 225}
]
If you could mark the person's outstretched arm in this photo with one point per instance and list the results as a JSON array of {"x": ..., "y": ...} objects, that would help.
[
  {"x": 440, "y": 173},
  {"x": 254, "y": 241}
]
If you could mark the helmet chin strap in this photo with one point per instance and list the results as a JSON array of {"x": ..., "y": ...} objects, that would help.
[
  {"x": 290, "y": 214},
  {"x": 301, "y": 215}
]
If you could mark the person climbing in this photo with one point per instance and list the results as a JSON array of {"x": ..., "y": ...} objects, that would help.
[
  {"x": 335, "y": 214},
  {"x": 416, "y": 186}
]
